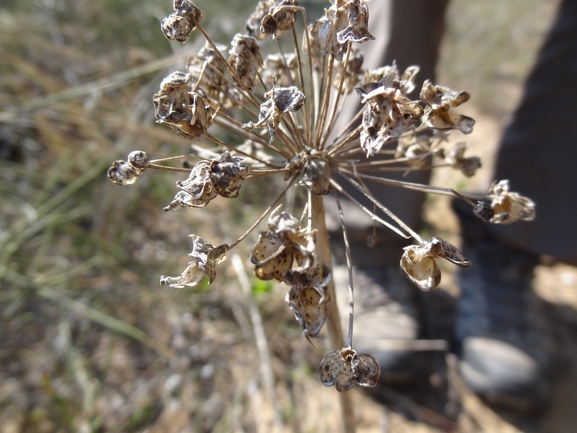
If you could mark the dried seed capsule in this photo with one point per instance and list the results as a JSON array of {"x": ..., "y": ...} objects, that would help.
[
  {"x": 205, "y": 257},
  {"x": 245, "y": 59},
  {"x": 126, "y": 173},
  {"x": 310, "y": 312},
  {"x": 509, "y": 206},
  {"x": 123, "y": 173},
  {"x": 281, "y": 100},
  {"x": 180, "y": 24},
  {"x": 280, "y": 18},
  {"x": 419, "y": 262},
  {"x": 228, "y": 174},
  {"x": 138, "y": 159},
  {"x": 437, "y": 113},
  {"x": 345, "y": 368},
  {"x": 358, "y": 27}
]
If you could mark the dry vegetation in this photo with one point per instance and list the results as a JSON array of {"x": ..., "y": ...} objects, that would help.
[{"x": 90, "y": 343}]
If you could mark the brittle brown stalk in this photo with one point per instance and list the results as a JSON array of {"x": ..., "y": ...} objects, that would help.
[
  {"x": 326, "y": 100},
  {"x": 337, "y": 99},
  {"x": 301, "y": 78},
  {"x": 235, "y": 149},
  {"x": 375, "y": 217}
]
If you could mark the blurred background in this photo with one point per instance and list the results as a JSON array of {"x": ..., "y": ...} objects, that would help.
[{"x": 89, "y": 341}]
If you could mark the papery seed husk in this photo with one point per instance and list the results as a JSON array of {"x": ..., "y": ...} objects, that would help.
[
  {"x": 228, "y": 174},
  {"x": 310, "y": 312},
  {"x": 123, "y": 173},
  {"x": 421, "y": 269}
]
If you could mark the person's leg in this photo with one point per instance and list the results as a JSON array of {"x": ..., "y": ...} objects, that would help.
[{"x": 505, "y": 351}]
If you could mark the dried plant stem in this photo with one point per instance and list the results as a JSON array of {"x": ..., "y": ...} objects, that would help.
[
  {"x": 333, "y": 320},
  {"x": 349, "y": 342},
  {"x": 235, "y": 149},
  {"x": 368, "y": 211},
  {"x": 410, "y": 185},
  {"x": 338, "y": 98},
  {"x": 326, "y": 100},
  {"x": 302, "y": 82},
  {"x": 391, "y": 215},
  {"x": 167, "y": 168}
]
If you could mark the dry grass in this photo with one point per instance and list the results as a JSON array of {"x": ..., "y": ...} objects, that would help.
[{"x": 89, "y": 343}]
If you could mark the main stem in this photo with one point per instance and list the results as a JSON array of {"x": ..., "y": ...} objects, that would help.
[{"x": 333, "y": 322}]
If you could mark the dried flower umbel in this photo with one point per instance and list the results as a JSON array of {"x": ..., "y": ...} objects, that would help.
[{"x": 292, "y": 101}]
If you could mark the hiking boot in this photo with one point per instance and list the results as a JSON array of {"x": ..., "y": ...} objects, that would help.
[
  {"x": 386, "y": 319},
  {"x": 504, "y": 349}
]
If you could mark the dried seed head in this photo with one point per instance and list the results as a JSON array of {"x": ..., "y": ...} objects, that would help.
[
  {"x": 509, "y": 206},
  {"x": 456, "y": 158},
  {"x": 308, "y": 296},
  {"x": 245, "y": 59},
  {"x": 171, "y": 102},
  {"x": 179, "y": 25},
  {"x": 345, "y": 368},
  {"x": 276, "y": 251},
  {"x": 420, "y": 268},
  {"x": 184, "y": 112},
  {"x": 437, "y": 113},
  {"x": 205, "y": 257},
  {"x": 283, "y": 223},
  {"x": 227, "y": 175},
  {"x": 419, "y": 261}
]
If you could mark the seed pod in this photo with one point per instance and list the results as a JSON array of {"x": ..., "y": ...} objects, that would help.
[
  {"x": 205, "y": 257},
  {"x": 272, "y": 256},
  {"x": 439, "y": 100},
  {"x": 509, "y": 207},
  {"x": 310, "y": 312},
  {"x": 419, "y": 262},
  {"x": 345, "y": 368},
  {"x": 180, "y": 24},
  {"x": 358, "y": 28},
  {"x": 245, "y": 59},
  {"x": 281, "y": 100},
  {"x": 126, "y": 173},
  {"x": 123, "y": 173},
  {"x": 227, "y": 175}
]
